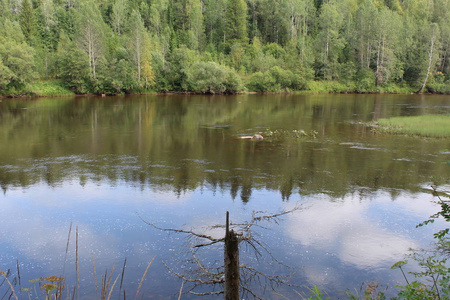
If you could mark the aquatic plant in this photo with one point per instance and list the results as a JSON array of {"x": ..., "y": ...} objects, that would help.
[
  {"x": 425, "y": 125},
  {"x": 293, "y": 134}
]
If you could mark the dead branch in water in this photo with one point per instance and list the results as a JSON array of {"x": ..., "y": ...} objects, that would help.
[{"x": 199, "y": 276}]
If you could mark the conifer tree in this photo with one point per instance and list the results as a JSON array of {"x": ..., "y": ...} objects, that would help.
[
  {"x": 236, "y": 22},
  {"x": 27, "y": 22}
]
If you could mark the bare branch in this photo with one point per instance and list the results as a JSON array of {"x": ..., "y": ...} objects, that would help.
[
  {"x": 190, "y": 232},
  {"x": 198, "y": 275},
  {"x": 207, "y": 293}
]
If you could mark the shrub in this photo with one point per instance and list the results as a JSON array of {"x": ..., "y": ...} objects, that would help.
[
  {"x": 274, "y": 80},
  {"x": 211, "y": 78},
  {"x": 365, "y": 81},
  {"x": 439, "y": 88}
]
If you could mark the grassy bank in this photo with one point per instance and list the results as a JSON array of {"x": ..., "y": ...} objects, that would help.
[
  {"x": 47, "y": 88},
  {"x": 355, "y": 87},
  {"x": 426, "y": 125},
  {"x": 52, "y": 88},
  {"x": 41, "y": 88}
]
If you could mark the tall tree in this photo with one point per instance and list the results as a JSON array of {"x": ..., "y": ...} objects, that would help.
[
  {"x": 16, "y": 57},
  {"x": 432, "y": 56},
  {"x": 387, "y": 34},
  {"x": 91, "y": 35},
  {"x": 329, "y": 42},
  {"x": 195, "y": 23},
  {"x": 137, "y": 36},
  {"x": 147, "y": 72},
  {"x": 365, "y": 28},
  {"x": 236, "y": 22},
  {"x": 27, "y": 21},
  {"x": 299, "y": 14},
  {"x": 214, "y": 20},
  {"x": 119, "y": 11}
]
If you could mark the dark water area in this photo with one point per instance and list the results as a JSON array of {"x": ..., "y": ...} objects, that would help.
[{"x": 106, "y": 164}]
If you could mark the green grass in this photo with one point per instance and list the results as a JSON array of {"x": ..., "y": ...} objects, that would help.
[
  {"x": 393, "y": 88},
  {"x": 352, "y": 87},
  {"x": 426, "y": 125},
  {"x": 329, "y": 87},
  {"x": 47, "y": 88}
]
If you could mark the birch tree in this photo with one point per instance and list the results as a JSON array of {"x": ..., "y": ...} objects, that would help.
[
  {"x": 387, "y": 28},
  {"x": 432, "y": 54},
  {"x": 91, "y": 32},
  {"x": 119, "y": 11},
  {"x": 147, "y": 72},
  {"x": 328, "y": 40},
  {"x": 365, "y": 28},
  {"x": 137, "y": 36}
]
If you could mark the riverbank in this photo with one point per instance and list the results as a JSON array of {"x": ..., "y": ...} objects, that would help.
[{"x": 56, "y": 88}]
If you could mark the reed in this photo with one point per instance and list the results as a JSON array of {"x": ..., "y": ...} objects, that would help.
[
  {"x": 123, "y": 274},
  {"x": 53, "y": 287},
  {"x": 427, "y": 126},
  {"x": 95, "y": 272},
  {"x": 11, "y": 287},
  {"x": 67, "y": 250},
  {"x": 143, "y": 276},
  {"x": 77, "y": 262}
]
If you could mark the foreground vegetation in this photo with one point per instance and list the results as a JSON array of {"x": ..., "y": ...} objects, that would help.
[
  {"x": 224, "y": 46},
  {"x": 425, "y": 125}
]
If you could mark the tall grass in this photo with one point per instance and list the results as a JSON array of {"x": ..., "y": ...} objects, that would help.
[{"x": 426, "y": 125}]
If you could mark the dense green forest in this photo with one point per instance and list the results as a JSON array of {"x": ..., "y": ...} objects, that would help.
[{"x": 224, "y": 46}]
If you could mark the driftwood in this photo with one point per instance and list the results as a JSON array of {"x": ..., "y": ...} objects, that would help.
[{"x": 255, "y": 137}]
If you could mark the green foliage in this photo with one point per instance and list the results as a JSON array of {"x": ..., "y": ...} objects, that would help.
[
  {"x": 118, "y": 78},
  {"x": 317, "y": 294},
  {"x": 353, "y": 46},
  {"x": 211, "y": 78},
  {"x": 365, "y": 80},
  {"x": 236, "y": 22},
  {"x": 439, "y": 88},
  {"x": 74, "y": 70},
  {"x": 274, "y": 80},
  {"x": 329, "y": 87},
  {"x": 16, "y": 59},
  {"x": 434, "y": 276},
  {"x": 48, "y": 88},
  {"x": 27, "y": 22},
  {"x": 444, "y": 213}
]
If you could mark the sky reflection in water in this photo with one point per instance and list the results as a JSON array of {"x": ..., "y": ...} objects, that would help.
[{"x": 324, "y": 239}]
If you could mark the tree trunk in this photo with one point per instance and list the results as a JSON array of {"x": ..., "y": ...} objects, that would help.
[
  {"x": 231, "y": 259},
  {"x": 430, "y": 60}
]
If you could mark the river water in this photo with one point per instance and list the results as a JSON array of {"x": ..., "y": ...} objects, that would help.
[{"x": 102, "y": 168}]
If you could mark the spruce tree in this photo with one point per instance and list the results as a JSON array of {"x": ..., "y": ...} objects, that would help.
[
  {"x": 236, "y": 22},
  {"x": 27, "y": 23}
]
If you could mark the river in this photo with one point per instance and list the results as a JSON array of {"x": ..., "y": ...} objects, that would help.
[{"x": 94, "y": 171}]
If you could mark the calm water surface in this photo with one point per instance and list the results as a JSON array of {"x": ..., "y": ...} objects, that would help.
[{"x": 106, "y": 164}]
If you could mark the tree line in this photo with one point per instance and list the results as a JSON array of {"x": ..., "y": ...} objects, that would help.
[{"x": 225, "y": 46}]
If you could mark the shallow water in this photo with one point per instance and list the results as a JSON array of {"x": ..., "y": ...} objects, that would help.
[{"x": 106, "y": 164}]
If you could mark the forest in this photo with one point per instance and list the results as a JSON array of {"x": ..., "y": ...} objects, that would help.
[{"x": 223, "y": 46}]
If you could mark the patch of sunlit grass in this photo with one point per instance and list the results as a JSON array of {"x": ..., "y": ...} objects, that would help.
[{"x": 426, "y": 125}]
